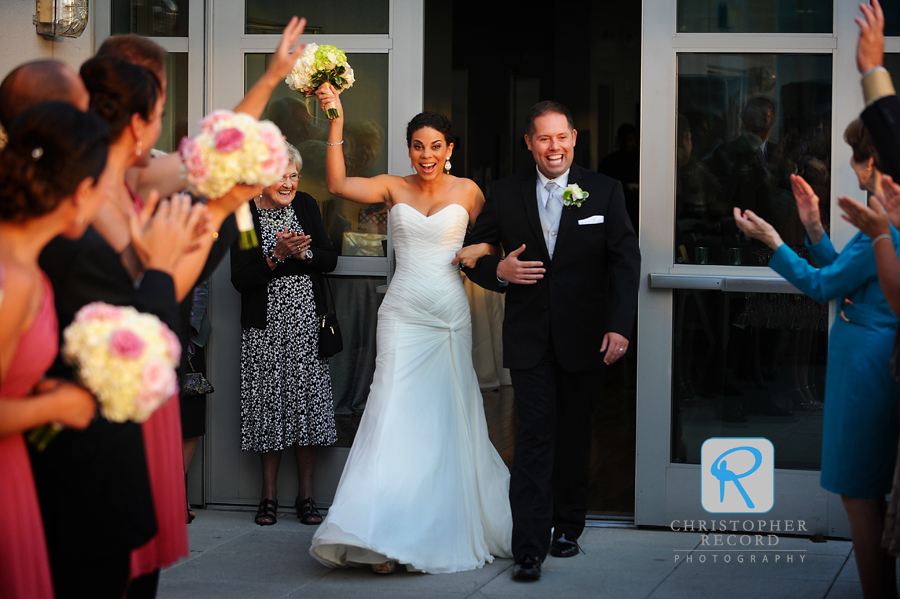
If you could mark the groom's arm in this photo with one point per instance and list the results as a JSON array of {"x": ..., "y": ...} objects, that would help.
[
  {"x": 624, "y": 260},
  {"x": 486, "y": 230}
]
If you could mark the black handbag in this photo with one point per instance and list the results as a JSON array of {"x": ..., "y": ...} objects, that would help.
[
  {"x": 195, "y": 384},
  {"x": 330, "y": 339}
]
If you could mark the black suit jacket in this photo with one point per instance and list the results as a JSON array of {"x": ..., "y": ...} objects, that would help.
[
  {"x": 882, "y": 118},
  {"x": 591, "y": 285}
]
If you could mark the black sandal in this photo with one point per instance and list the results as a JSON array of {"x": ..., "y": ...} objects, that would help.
[
  {"x": 307, "y": 511},
  {"x": 267, "y": 515}
]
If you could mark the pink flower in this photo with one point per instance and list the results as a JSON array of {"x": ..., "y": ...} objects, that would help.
[
  {"x": 158, "y": 383},
  {"x": 229, "y": 140},
  {"x": 198, "y": 176},
  {"x": 271, "y": 135},
  {"x": 126, "y": 344},
  {"x": 215, "y": 117},
  {"x": 173, "y": 347},
  {"x": 270, "y": 167},
  {"x": 98, "y": 311},
  {"x": 192, "y": 161},
  {"x": 186, "y": 147}
]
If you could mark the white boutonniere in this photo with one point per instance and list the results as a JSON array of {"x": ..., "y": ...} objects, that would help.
[{"x": 574, "y": 196}]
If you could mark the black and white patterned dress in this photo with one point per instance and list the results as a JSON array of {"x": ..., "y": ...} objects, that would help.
[{"x": 285, "y": 386}]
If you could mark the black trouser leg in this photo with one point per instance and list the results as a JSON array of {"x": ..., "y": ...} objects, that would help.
[
  {"x": 144, "y": 586},
  {"x": 530, "y": 488},
  {"x": 577, "y": 395}
]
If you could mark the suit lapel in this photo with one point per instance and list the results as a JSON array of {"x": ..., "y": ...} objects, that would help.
[
  {"x": 568, "y": 214},
  {"x": 529, "y": 196}
]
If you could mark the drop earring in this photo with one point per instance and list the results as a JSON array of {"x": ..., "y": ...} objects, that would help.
[
  {"x": 138, "y": 151},
  {"x": 447, "y": 166}
]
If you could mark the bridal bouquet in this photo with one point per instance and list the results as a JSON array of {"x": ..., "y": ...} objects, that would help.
[
  {"x": 125, "y": 358},
  {"x": 233, "y": 148},
  {"x": 318, "y": 65}
]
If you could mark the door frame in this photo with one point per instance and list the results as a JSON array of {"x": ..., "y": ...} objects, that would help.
[{"x": 667, "y": 491}]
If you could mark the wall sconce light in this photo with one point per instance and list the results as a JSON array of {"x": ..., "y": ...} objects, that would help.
[{"x": 66, "y": 18}]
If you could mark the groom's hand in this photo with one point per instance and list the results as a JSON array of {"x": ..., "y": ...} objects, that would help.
[
  {"x": 615, "y": 346},
  {"x": 522, "y": 273}
]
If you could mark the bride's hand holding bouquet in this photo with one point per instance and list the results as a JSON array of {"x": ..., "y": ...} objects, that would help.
[{"x": 318, "y": 67}]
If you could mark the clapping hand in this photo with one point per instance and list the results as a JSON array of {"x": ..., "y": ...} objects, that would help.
[
  {"x": 808, "y": 207},
  {"x": 876, "y": 218},
  {"x": 296, "y": 243},
  {"x": 166, "y": 230},
  {"x": 755, "y": 227},
  {"x": 283, "y": 244},
  {"x": 870, "y": 49}
]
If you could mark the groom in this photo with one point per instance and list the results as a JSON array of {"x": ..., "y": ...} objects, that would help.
[{"x": 571, "y": 281}]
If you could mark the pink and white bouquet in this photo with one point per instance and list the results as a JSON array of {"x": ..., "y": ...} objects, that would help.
[
  {"x": 318, "y": 65},
  {"x": 125, "y": 358},
  {"x": 233, "y": 148}
]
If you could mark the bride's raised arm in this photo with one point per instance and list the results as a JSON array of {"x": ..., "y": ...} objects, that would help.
[{"x": 356, "y": 189}]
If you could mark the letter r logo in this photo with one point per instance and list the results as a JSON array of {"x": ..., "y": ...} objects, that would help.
[{"x": 737, "y": 475}]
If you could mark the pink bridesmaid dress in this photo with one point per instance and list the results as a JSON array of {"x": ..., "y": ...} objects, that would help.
[
  {"x": 165, "y": 463},
  {"x": 24, "y": 565}
]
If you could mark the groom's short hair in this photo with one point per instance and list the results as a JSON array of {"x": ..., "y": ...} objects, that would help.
[{"x": 546, "y": 107}]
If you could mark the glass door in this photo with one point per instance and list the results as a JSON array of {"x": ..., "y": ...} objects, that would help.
[
  {"x": 383, "y": 42},
  {"x": 736, "y": 96}
]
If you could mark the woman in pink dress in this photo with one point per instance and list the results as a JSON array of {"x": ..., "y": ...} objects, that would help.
[{"x": 48, "y": 186}]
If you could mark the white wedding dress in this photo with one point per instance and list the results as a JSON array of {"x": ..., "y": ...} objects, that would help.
[{"x": 423, "y": 484}]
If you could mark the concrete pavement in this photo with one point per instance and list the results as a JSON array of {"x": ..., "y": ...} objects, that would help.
[{"x": 232, "y": 557}]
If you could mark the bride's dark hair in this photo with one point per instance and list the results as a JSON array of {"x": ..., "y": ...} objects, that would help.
[{"x": 436, "y": 121}]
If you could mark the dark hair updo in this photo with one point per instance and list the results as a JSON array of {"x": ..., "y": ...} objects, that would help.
[
  {"x": 857, "y": 135},
  {"x": 119, "y": 90},
  {"x": 436, "y": 121},
  {"x": 52, "y": 148}
]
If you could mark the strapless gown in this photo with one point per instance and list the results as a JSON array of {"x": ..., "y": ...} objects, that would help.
[
  {"x": 423, "y": 485},
  {"x": 24, "y": 564}
]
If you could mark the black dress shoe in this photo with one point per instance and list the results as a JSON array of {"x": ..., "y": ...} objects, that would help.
[
  {"x": 563, "y": 546},
  {"x": 528, "y": 568}
]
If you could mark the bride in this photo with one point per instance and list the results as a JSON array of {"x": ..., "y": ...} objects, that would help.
[{"x": 423, "y": 486}]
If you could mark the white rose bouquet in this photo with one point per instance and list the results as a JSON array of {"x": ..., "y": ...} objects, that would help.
[
  {"x": 318, "y": 65},
  {"x": 125, "y": 358},
  {"x": 233, "y": 148}
]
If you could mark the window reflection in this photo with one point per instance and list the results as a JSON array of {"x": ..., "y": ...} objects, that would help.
[
  {"x": 749, "y": 365},
  {"x": 356, "y": 302},
  {"x": 153, "y": 18},
  {"x": 755, "y": 16},
  {"x": 175, "y": 116},
  {"x": 354, "y": 229},
  {"x": 745, "y": 124},
  {"x": 337, "y": 16}
]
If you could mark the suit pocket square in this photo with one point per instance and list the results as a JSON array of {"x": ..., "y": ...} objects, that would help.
[{"x": 592, "y": 220}]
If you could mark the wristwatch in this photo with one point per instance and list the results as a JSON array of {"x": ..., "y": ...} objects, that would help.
[{"x": 308, "y": 254}]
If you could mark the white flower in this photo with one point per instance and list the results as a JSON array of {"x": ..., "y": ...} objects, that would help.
[{"x": 576, "y": 191}]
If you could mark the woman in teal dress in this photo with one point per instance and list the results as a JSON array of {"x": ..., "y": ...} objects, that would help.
[{"x": 860, "y": 428}]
